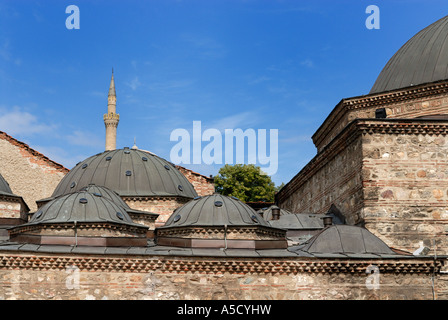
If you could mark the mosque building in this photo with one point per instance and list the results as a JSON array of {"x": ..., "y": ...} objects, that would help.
[{"x": 365, "y": 219}]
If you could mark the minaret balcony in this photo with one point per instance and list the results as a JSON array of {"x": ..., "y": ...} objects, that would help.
[{"x": 111, "y": 116}]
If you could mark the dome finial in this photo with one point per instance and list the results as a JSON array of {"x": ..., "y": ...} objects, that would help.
[{"x": 134, "y": 146}]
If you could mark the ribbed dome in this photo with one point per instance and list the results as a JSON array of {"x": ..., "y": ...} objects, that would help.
[
  {"x": 129, "y": 172},
  {"x": 4, "y": 186},
  {"x": 109, "y": 195},
  {"x": 218, "y": 221},
  {"x": 215, "y": 210},
  {"x": 81, "y": 219},
  {"x": 423, "y": 59},
  {"x": 81, "y": 206},
  {"x": 346, "y": 240}
]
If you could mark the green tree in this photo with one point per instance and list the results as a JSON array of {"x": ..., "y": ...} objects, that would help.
[
  {"x": 278, "y": 188},
  {"x": 246, "y": 182}
]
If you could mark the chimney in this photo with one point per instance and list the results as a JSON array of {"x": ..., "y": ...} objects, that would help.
[
  {"x": 275, "y": 213},
  {"x": 328, "y": 221}
]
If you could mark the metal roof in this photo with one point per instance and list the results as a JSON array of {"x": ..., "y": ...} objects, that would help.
[
  {"x": 129, "y": 172},
  {"x": 4, "y": 186},
  {"x": 215, "y": 210},
  {"x": 299, "y": 221},
  {"x": 79, "y": 207},
  {"x": 343, "y": 240},
  {"x": 422, "y": 59},
  {"x": 147, "y": 251}
]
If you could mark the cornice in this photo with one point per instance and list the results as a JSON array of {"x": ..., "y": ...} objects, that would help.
[
  {"x": 354, "y": 129},
  {"x": 80, "y": 225},
  {"x": 378, "y": 100},
  {"x": 232, "y": 265}
]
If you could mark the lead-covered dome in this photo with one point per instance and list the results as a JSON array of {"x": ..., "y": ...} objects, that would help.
[
  {"x": 422, "y": 59},
  {"x": 218, "y": 221},
  {"x": 129, "y": 172},
  {"x": 81, "y": 218},
  {"x": 344, "y": 240}
]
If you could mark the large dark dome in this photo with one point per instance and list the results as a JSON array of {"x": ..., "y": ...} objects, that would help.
[
  {"x": 129, "y": 172},
  {"x": 423, "y": 59}
]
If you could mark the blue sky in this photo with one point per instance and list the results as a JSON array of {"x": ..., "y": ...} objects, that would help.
[{"x": 229, "y": 64}]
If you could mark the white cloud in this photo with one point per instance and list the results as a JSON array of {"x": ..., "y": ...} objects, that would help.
[
  {"x": 83, "y": 138},
  {"x": 259, "y": 80},
  {"x": 307, "y": 63},
  {"x": 5, "y": 53},
  {"x": 15, "y": 121},
  {"x": 242, "y": 120},
  {"x": 134, "y": 84}
]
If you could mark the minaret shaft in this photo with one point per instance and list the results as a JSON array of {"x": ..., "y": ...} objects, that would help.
[{"x": 111, "y": 118}]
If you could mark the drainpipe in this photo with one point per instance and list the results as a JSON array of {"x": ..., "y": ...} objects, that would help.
[
  {"x": 76, "y": 236},
  {"x": 225, "y": 237}
]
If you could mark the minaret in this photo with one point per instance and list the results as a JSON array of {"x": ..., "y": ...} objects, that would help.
[{"x": 111, "y": 118}]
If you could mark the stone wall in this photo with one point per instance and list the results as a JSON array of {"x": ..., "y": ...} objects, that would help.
[
  {"x": 40, "y": 276},
  {"x": 391, "y": 175},
  {"x": 30, "y": 174},
  {"x": 405, "y": 178}
]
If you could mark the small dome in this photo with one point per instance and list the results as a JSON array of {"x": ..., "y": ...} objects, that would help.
[
  {"x": 101, "y": 191},
  {"x": 129, "y": 172},
  {"x": 83, "y": 218},
  {"x": 141, "y": 217},
  {"x": 217, "y": 221},
  {"x": 345, "y": 239},
  {"x": 215, "y": 210},
  {"x": 81, "y": 206},
  {"x": 422, "y": 59}
]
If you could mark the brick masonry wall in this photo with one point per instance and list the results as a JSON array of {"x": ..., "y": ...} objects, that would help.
[
  {"x": 36, "y": 277},
  {"x": 29, "y": 174},
  {"x": 405, "y": 178},
  {"x": 203, "y": 185}
]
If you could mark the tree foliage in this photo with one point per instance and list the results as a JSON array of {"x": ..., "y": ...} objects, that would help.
[{"x": 246, "y": 182}]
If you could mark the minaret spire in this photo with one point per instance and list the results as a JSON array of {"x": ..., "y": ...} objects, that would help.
[{"x": 111, "y": 118}]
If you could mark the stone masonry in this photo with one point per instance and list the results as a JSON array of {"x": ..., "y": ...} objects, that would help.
[
  {"x": 89, "y": 277},
  {"x": 29, "y": 173},
  {"x": 390, "y": 175}
]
